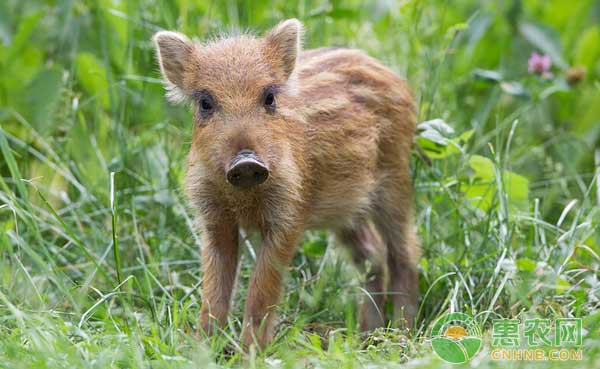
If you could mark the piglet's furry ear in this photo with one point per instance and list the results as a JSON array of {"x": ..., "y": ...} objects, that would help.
[
  {"x": 284, "y": 42},
  {"x": 174, "y": 52}
]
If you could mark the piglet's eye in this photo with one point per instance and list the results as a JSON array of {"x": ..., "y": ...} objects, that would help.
[
  {"x": 206, "y": 103},
  {"x": 269, "y": 99}
]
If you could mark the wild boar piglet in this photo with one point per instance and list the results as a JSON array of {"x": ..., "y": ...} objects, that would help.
[{"x": 285, "y": 140}]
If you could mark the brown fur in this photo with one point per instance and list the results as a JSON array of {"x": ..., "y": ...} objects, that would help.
[{"x": 337, "y": 147}]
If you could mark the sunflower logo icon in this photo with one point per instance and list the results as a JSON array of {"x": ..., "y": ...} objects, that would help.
[{"x": 456, "y": 338}]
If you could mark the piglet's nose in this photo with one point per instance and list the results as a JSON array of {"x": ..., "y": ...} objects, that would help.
[{"x": 247, "y": 170}]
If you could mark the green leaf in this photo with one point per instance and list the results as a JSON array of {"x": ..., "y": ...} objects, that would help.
[
  {"x": 434, "y": 139},
  {"x": 559, "y": 85},
  {"x": 20, "y": 59},
  {"x": 93, "y": 77},
  {"x": 487, "y": 75},
  {"x": 334, "y": 12},
  {"x": 482, "y": 186},
  {"x": 482, "y": 167},
  {"x": 587, "y": 49},
  {"x": 456, "y": 28},
  {"x": 459, "y": 142},
  {"x": 517, "y": 188},
  {"x": 433, "y": 150},
  {"x": 478, "y": 26},
  {"x": 434, "y": 136},
  {"x": 562, "y": 285},
  {"x": 340, "y": 13},
  {"x": 526, "y": 265},
  {"x": 437, "y": 125},
  {"x": 315, "y": 247},
  {"x": 91, "y": 170},
  {"x": 115, "y": 15},
  {"x": 42, "y": 96},
  {"x": 315, "y": 341},
  {"x": 22, "y": 37},
  {"x": 514, "y": 88}
]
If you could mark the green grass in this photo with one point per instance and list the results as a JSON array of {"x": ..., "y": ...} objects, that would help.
[{"x": 97, "y": 272}]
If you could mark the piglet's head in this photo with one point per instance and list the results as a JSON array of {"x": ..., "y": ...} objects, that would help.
[{"x": 239, "y": 89}]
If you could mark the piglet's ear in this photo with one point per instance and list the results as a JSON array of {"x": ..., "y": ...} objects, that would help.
[
  {"x": 284, "y": 44},
  {"x": 174, "y": 52}
]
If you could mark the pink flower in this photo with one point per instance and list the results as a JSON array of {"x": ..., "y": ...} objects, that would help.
[{"x": 539, "y": 64}]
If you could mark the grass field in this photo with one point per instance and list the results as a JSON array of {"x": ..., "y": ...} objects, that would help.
[{"x": 101, "y": 270}]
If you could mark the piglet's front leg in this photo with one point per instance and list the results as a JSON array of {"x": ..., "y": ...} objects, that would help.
[
  {"x": 265, "y": 289},
  {"x": 219, "y": 263}
]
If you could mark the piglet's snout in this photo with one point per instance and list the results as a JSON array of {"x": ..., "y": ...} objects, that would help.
[{"x": 247, "y": 170}]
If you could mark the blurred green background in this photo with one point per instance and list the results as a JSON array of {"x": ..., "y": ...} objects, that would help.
[{"x": 506, "y": 179}]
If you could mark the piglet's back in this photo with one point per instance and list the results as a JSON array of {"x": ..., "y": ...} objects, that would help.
[
  {"x": 360, "y": 118},
  {"x": 347, "y": 81}
]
